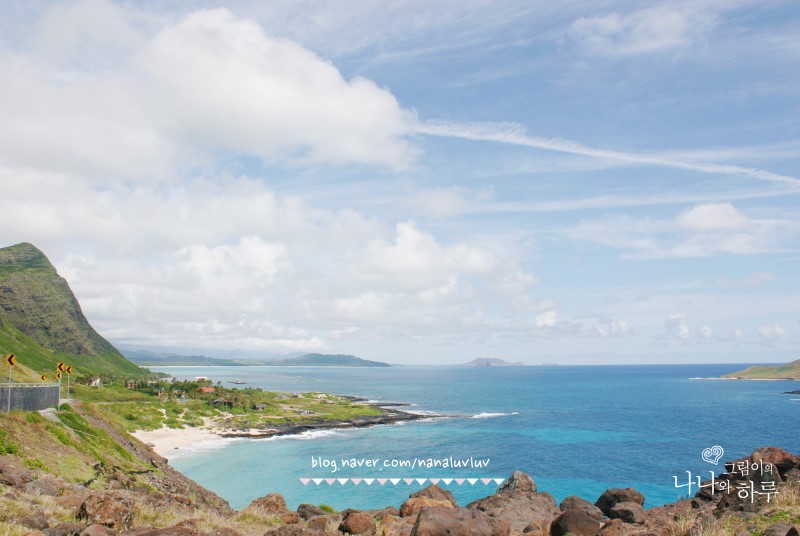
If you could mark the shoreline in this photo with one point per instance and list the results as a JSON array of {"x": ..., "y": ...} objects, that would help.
[{"x": 168, "y": 442}]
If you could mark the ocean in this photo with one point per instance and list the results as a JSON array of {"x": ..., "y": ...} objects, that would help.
[{"x": 577, "y": 430}]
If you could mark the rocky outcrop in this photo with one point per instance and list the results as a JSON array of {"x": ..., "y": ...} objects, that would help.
[
  {"x": 438, "y": 521},
  {"x": 111, "y": 510},
  {"x": 518, "y": 504},
  {"x": 614, "y": 496},
  {"x": 360, "y": 523},
  {"x": 575, "y": 521}
]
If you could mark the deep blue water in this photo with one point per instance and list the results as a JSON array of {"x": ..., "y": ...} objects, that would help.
[{"x": 575, "y": 430}]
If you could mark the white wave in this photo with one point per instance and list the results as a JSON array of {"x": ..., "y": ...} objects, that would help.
[
  {"x": 795, "y": 399},
  {"x": 488, "y": 415},
  {"x": 305, "y": 436}
]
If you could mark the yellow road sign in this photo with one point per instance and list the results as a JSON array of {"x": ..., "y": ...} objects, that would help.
[
  {"x": 43, "y": 377},
  {"x": 69, "y": 370},
  {"x": 60, "y": 366},
  {"x": 11, "y": 359},
  {"x": 58, "y": 375}
]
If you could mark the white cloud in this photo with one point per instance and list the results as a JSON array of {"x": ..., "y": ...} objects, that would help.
[
  {"x": 515, "y": 134},
  {"x": 771, "y": 331},
  {"x": 223, "y": 84},
  {"x": 210, "y": 85},
  {"x": 677, "y": 327},
  {"x": 641, "y": 32},
  {"x": 703, "y": 230},
  {"x": 548, "y": 319},
  {"x": 713, "y": 217}
]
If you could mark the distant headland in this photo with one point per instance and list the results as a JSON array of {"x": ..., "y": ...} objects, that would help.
[{"x": 789, "y": 371}]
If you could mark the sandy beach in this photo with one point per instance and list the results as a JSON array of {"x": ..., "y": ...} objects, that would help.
[{"x": 169, "y": 441}]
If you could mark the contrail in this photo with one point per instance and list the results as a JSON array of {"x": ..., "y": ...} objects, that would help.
[{"x": 515, "y": 134}]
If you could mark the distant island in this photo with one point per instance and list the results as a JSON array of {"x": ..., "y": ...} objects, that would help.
[
  {"x": 789, "y": 371},
  {"x": 155, "y": 359},
  {"x": 490, "y": 362}
]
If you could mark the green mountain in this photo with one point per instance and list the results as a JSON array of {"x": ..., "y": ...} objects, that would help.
[
  {"x": 325, "y": 360},
  {"x": 160, "y": 359},
  {"x": 42, "y": 323},
  {"x": 789, "y": 371}
]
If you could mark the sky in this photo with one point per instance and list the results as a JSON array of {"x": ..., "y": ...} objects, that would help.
[{"x": 415, "y": 182}]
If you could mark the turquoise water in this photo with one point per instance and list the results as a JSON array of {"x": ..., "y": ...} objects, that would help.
[{"x": 575, "y": 430}]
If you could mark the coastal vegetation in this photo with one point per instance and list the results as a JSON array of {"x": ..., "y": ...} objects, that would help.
[{"x": 789, "y": 371}]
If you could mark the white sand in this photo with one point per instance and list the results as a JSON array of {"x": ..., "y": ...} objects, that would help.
[{"x": 169, "y": 441}]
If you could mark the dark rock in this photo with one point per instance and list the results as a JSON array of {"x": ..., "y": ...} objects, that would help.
[
  {"x": 617, "y": 527},
  {"x": 98, "y": 530},
  {"x": 72, "y": 502},
  {"x": 273, "y": 504},
  {"x": 35, "y": 521},
  {"x": 573, "y": 502},
  {"x": 112, "y": 510},
  {"x": 12, "y": 473},
  {"x": 613, "y": 496},
  {"x": 781, "y": 529},
  {"x": 293, "y": 530},
  {"x": 438, "y": 494},
  {"x": 518, "y": 504},
  {"x": 358, "y": 523},
  {"x": 397, "y": 526},
  {"x": 326, "y": 523},
  {"x": 517, "y": 482},
  {"x": 629, "y": 512},
  {"x": 41, "y": 487},
  {"x": 65, "y": 529},
  {"x": 784, "y": 461},
  {"x": 438, "y": 521},
  {"x": 307, "y": 511},
  {"x": 575, "y": 521},
  {"x": 413, "y": 505}
]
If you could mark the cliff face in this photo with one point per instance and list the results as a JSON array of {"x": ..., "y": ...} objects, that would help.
[{"x": 39, "y": 303}]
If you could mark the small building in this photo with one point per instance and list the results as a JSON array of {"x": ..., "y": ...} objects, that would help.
[
  {"x": 221, "y": 402},
  {"x": 260, "y": 407},
  {"x": 208, "y": 390},
  {"x": 95, "y": 383}
]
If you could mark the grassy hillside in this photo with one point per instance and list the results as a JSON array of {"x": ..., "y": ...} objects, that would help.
[
  {"x": 42, "y": 323},
  {"x": 789, "y": 371}
]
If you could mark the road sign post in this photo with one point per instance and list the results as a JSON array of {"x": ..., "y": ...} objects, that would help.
[
  {"x": 69, "y": 373},
  {"x": 10, "y": 359}
]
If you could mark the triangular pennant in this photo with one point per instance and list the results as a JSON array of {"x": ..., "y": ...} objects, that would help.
[
  {"x": 472, "y": 481},
  {"x": 459, "y": 481},
  {"x": 421, "y": 481},
  {"x": 435, "y": 480},
  {"x": 356, "y": 481},
  {"x": 382, "y": 481},
  {"x": 499, "y": 481},
  {"x": 305, "y": 481},
  {"x": 447, "y": 481},
  {"x": 369, "y": 481},
  {"x": 394, "y": 480},
  {"x": 342, "y": 481},
  {"x": 486, "y": 481},
  {"x": 330, "y": 481},
  {"x": 408, "y": 480},
  {"x": 317, "y": 481}
]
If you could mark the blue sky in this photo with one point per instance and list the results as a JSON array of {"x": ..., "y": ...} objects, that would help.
[{"x": 414, "y": 182}]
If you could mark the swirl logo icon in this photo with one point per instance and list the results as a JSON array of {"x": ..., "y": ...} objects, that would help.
[{"x": 713, "y": 454}]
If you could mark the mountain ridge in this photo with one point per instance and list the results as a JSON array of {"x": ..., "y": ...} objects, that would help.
[{"x": 42, "y": 321}]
